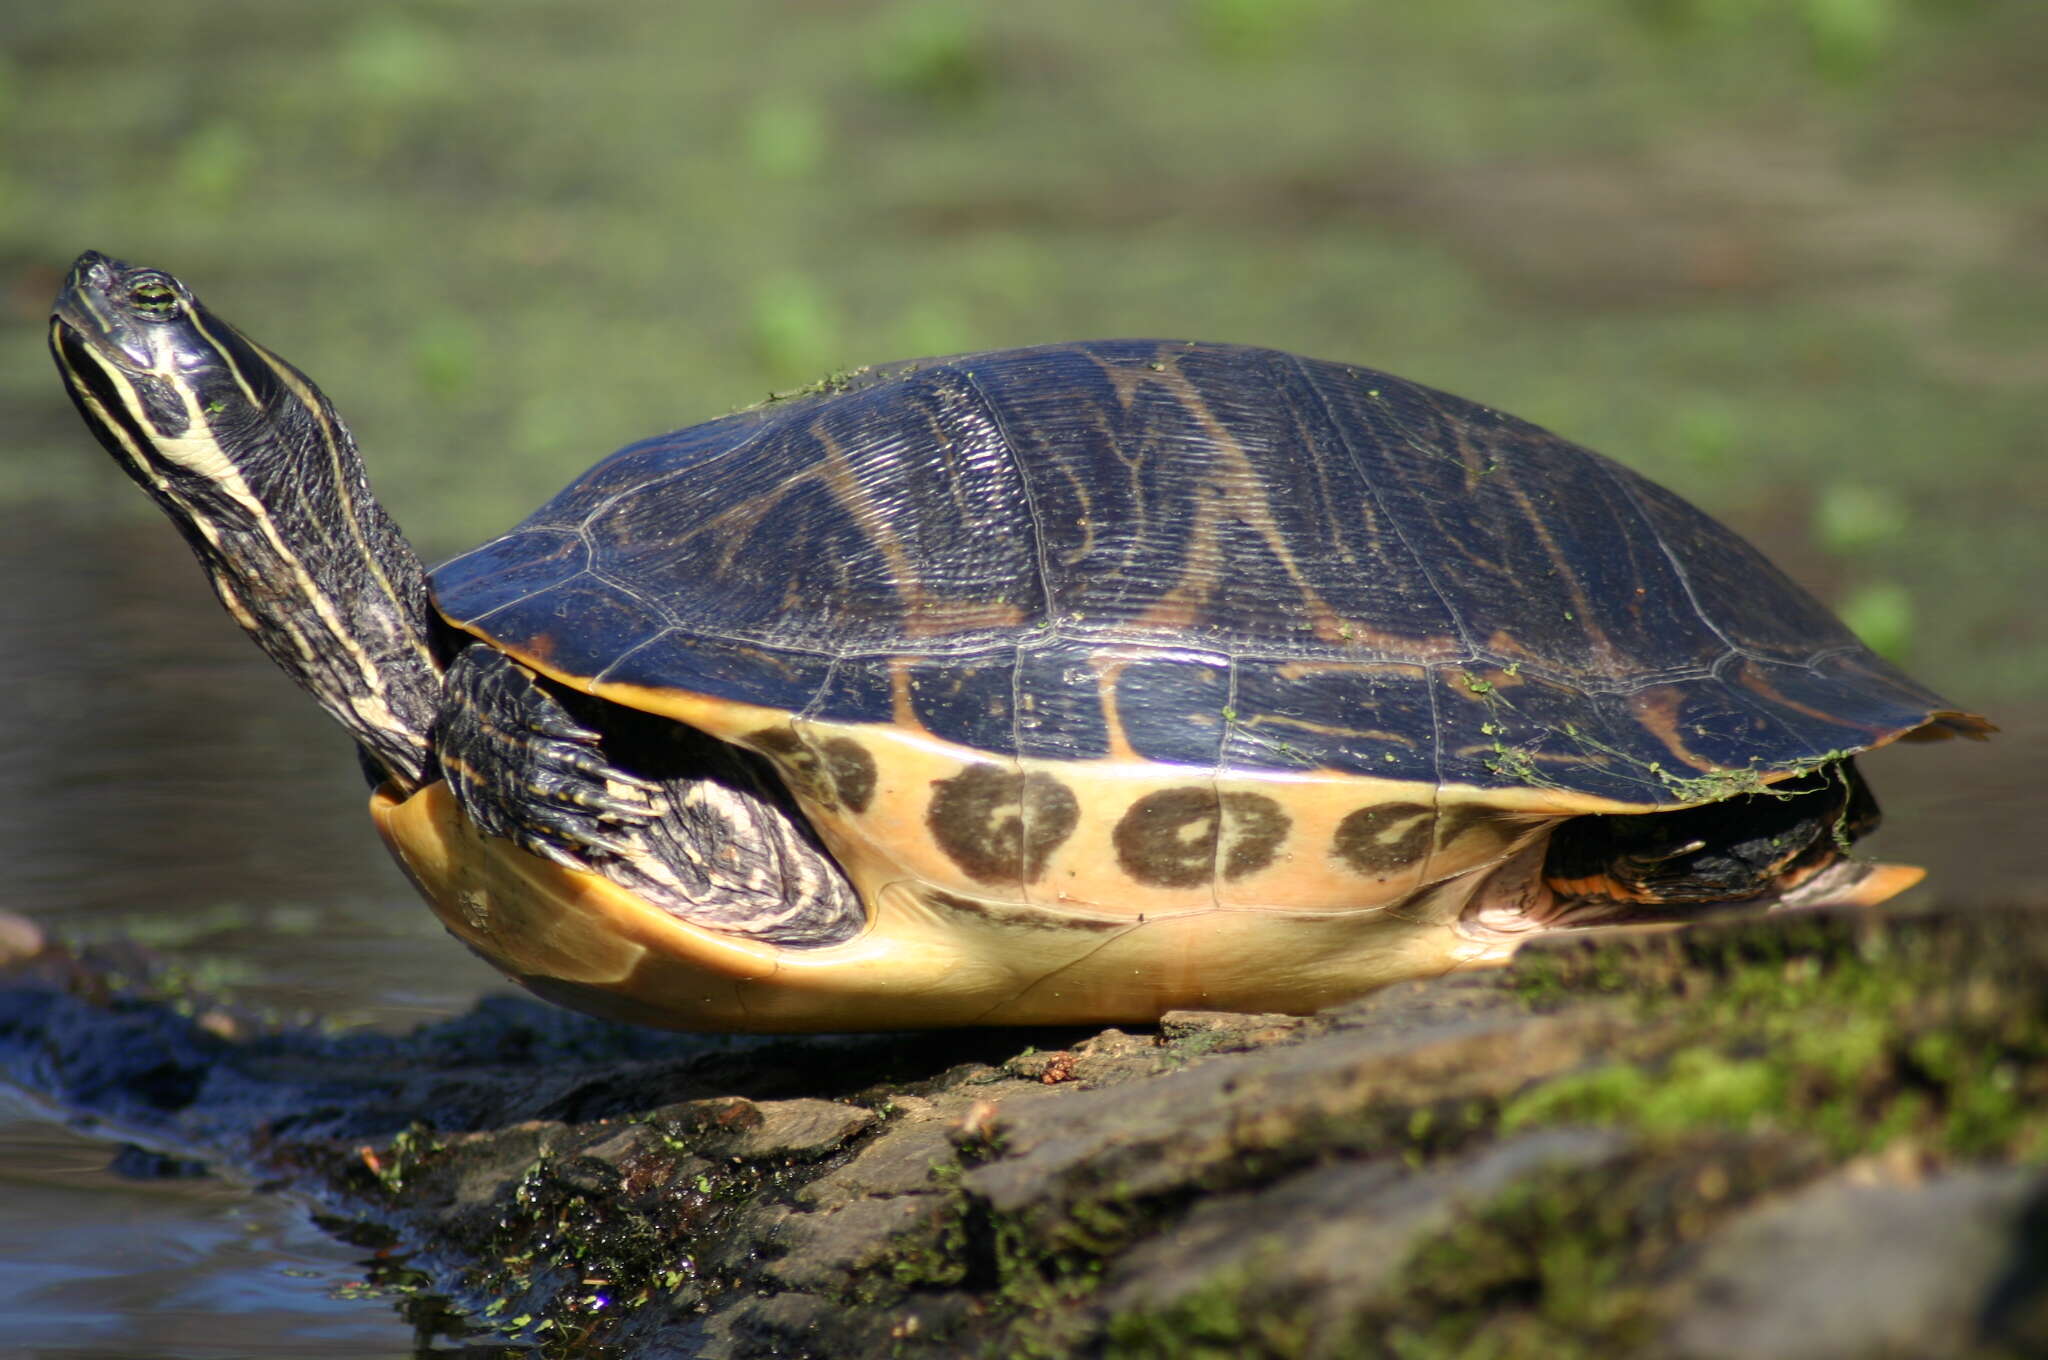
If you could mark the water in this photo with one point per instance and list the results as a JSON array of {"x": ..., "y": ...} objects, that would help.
[
  {"x": 95, "y": 1265},
  {"x": 164, "y": 783}
]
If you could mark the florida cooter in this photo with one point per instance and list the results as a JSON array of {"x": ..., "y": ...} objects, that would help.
[{"x": 1073, "y": 683}]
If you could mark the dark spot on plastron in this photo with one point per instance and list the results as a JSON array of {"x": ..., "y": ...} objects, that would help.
[
  {"x": 1253, "y": 827},
  {"x": 775, "y": 741},
  {"x": 1363, "y": 840},
  {"x": 1168, "y": 839},
  {"x": 852, "y": 771},
  {"x": 1000, "y": 825}
]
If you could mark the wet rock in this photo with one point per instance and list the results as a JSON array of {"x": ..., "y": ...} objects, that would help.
[
  {"x": 800, "y": 1128},
  {"x": 902, "y": 1163},
  {"x": 747, "y": 1131},
  {"x": 826, "y": 1252},
  {"x": 1323, "y": 1243},
  {"x": 1613, "y": 1148},
  {"x": 631, "y": 1147},
  {"x": 780, "y": 1324},
  {"x": 1846, "y": 1268}
]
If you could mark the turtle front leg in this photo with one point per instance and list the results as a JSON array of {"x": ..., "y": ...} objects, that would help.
[
  {"x": 697, "y": 828},
  {"x": 522, "y": 767}
]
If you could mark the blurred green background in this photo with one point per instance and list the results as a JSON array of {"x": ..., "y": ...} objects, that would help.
[
  {"x": 1788, "y": 256},
  {"x": 1785, "y": 255}
]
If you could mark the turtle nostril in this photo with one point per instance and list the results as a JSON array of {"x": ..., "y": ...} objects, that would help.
[{"x": 91, "y": 270}]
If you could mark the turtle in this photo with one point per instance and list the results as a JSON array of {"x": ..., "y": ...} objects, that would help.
[{"x": 1066, "y": 684}]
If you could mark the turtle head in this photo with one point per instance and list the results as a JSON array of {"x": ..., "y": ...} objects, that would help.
[
  {"x": 172, "y": 391},
  {"x": 248, "y": 459},
  {"x": 142, "y": 319}
]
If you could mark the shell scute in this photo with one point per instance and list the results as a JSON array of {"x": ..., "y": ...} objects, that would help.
[
  {"x": 724, "y": 666},
  {"x": 1170, "y": 707},
  {"x": 1848, "y": 698},
  {"x": 1369, "y": 717},
  {"x": 968, "y": 700},
  {"x": 482, "y": 584},
  {"x": 1211, "y": 497},
  {"x": 1060, "y": 713},
  {"x": 1197, "y": 555}
]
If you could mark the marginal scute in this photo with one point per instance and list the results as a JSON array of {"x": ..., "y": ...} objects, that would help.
[
  {"x": 1381, "y": 839},
  {"x": 1001, "y": 825},
  {"x": 1170, "y": 838},
  {"x": 1454, "y": 822}
]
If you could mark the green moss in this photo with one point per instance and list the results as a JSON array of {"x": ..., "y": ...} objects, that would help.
[
  {"x": 1222, "y": 1320},
  {"x": 1802, "y": 1028},
  {"x": 417, "y": 1145},
  {"x": 838, "y": 380},
  {"x": 1716, "y": 785},
  {"x": 1545, "y": 979},
  {"x": 1562, "y": 1263},
  {"x": 1032, "y": 1270}
]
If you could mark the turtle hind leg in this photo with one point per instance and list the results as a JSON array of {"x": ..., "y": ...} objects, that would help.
[
  {"x": 521, "y": 766},
  {"x": 733, "y": 852}
]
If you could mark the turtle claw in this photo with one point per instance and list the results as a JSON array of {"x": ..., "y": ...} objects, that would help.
[
  {"x": 575, "y": 854},
  {"x": 522, "y": 767},
  {"x": 548, "y": 850},
  {"x": 556, "y": 724},
  {"x": 619, "y": 802}
]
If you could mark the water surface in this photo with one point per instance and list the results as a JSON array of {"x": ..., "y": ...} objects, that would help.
[
  {"x": 164, "y": 783},
  {"x": 95, "y": 1265}
]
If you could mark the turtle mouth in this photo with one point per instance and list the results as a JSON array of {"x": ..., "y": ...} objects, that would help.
[
  {"x": 87, "y": 342},
  {"x": 79, "y": 355}
]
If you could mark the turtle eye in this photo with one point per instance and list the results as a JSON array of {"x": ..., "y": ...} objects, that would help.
[{"x": 152, "y": 296}]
